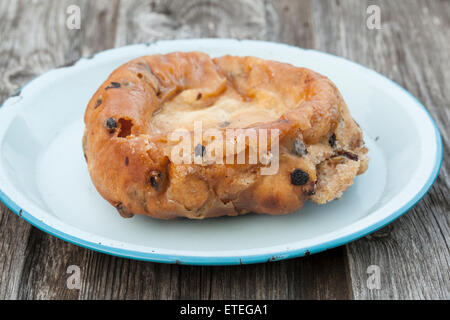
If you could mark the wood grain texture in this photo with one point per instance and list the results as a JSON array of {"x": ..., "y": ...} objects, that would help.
[
  {"x": 18, "y": 64},
  {"x": 413, "y": 252},
  {"x": 30, "y": 261}
]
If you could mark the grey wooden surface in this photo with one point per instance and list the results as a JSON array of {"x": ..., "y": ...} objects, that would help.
[{"x": 412, "y": 48}]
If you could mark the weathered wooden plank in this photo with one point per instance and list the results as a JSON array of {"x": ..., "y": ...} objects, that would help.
[
  {"x": 295, "y": 23},
  {"x": 413, "y": 49},
  {"x": 106, "y": 277},
  {"x": 315, "y": 277},
  {"x": 15, "y": 71},
  {"x": 14, "y": 232},
  {"x": 146, "y": 21},
  {"x": 35, "y": 39}
]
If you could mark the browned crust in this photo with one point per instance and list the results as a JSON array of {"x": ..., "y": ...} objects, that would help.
[{"x": 122, "y": 163}]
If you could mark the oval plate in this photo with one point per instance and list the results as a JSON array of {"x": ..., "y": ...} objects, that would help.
[{"x": 44, "y": 178}]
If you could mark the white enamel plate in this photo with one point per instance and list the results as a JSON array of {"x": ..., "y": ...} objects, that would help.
[{"x": 44, "y": 178}]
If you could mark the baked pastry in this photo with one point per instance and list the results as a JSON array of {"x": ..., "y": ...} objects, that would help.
[{"x": 130, "y": 155}]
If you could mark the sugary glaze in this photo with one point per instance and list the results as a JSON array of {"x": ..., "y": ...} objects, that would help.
[{"x": 129, "y": 118}]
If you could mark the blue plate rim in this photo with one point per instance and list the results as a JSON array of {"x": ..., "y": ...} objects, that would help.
[{"x": 248, "y": 259}]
